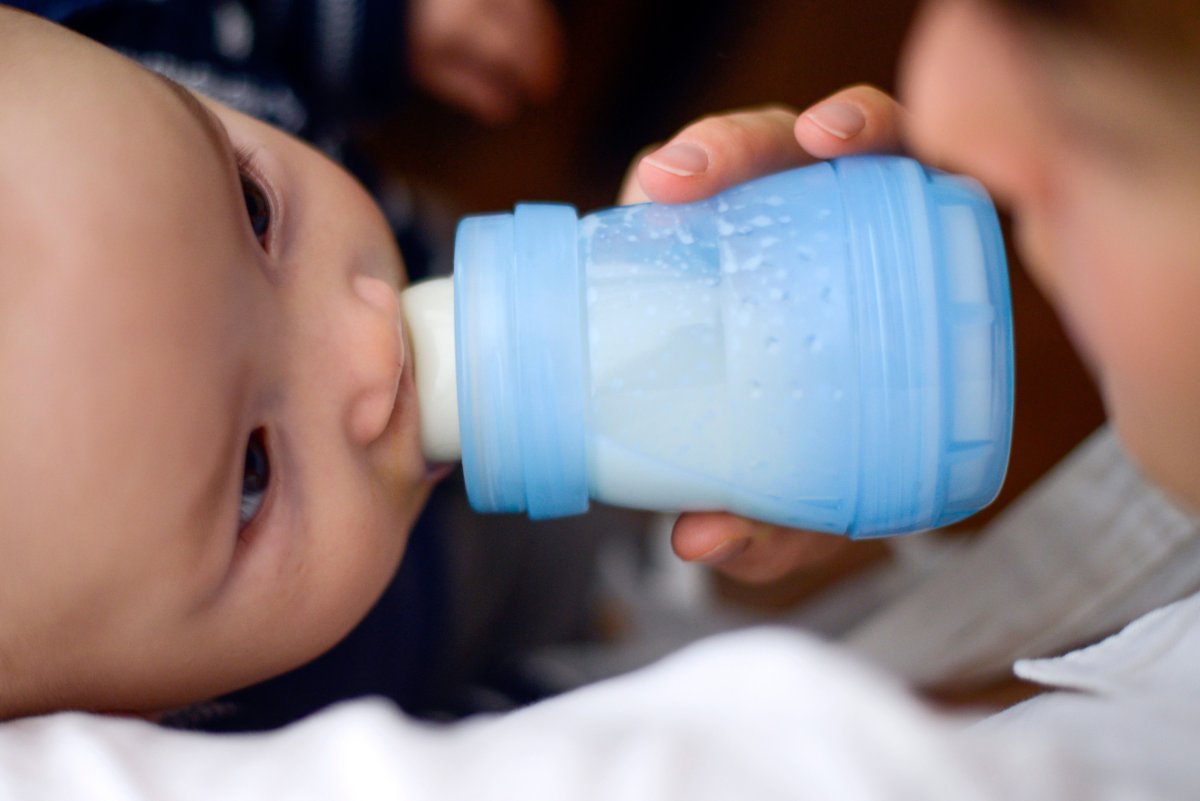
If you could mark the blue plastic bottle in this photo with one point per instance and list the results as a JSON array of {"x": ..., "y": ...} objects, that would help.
[{"x": 828, "y": 348}]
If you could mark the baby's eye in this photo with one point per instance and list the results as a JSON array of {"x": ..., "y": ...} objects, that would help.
[
  {"x": 258, "y": 208},
  {"x": 256, "y": 198},
  {"x": 256, "y": 477}
]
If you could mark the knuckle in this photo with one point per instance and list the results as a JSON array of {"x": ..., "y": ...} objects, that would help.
[{"x": 729, "y": 134}]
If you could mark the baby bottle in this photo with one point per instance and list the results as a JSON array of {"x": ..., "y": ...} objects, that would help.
[{"x": 827, "y": 348}]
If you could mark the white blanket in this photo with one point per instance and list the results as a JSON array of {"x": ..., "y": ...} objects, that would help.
[{"x": 764, "y": 714}]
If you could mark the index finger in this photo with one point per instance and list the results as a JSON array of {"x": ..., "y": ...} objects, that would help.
[
  {"x": 719, "y": 151},
  {"x": 723, "y": 150}
]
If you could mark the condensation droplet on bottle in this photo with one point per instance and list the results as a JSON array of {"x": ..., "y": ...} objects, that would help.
[
  {"x": 756, "y": 390},
  {"x": 838, "y": 394},
  {"x": 776, "y": 294},
  {"x": 592, "y": 296},
  {"x": 752, "y": 263},
  {"x": 772, "y": 346},
  {"x": 813, "y": 343},
  {"x": 724, "y": 227},
  {"x": 826, "y": 293},
  {"x": 805, "y": 252},
  {"x": 824, "y": 214},
  {"x": 761, "y": 221},
  {"x": 768, "y": 242},
  {"x": 774, "y": 200}
]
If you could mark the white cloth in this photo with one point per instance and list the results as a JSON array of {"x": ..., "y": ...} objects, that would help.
[
  {"x": 1089, "y": 548},
  {"x": 763, "y": 714}
]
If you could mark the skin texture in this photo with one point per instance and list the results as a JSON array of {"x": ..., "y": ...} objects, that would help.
[
  {"x": 1094, "y": 152},
  {"x": 147, "y": 331}
]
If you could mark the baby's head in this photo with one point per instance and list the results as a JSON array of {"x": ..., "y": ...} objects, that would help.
[
  {"x": 1083, "y": 117},
  {"x": 209, "y": 460}
]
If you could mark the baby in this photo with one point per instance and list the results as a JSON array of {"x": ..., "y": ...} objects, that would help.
[
  {"x": 210, "y": 459},
  {"x": 230, "y": 486}
]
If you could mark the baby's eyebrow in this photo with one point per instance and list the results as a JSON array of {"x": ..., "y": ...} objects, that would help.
[{"x": 213, "y": 130}]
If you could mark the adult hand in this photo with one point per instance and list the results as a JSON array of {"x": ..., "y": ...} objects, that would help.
[
  {"x": 713, "y": 154},
  {"x": 721, "y": 150},
  {"x": 488, "y": 58}
]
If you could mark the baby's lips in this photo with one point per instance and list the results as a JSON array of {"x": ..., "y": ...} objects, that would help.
[{"x": 435, "y": 472}]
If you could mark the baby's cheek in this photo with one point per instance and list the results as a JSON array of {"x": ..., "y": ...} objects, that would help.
[
  {"x": 340, "y": 584},
  {"x": 371, "y": 545}
]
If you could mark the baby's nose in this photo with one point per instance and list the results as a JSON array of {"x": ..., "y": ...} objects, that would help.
[{"x": 376, "y": 358}]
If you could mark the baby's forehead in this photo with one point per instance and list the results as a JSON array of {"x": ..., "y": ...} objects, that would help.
[
  {"x": 97, "y": 154},
  {"x": 117, "y": 262},
  {"x": 46, "y": 61},
  {"x": 64, "y": 92}
]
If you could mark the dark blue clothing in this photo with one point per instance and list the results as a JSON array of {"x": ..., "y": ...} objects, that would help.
[{"x": 306, "y": 66}]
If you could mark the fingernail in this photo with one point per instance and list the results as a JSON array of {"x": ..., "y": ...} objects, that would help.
[
  {"x": 680, "y": 158},
  {"x": 839, "y": 119},
  {"x": 726, "y": 551}
]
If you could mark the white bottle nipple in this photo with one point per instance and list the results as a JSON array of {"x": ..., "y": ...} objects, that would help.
[{"x": 429, "y": 314}]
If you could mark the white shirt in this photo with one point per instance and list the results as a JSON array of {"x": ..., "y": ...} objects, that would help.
[{"x": 763, "y": 714}]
